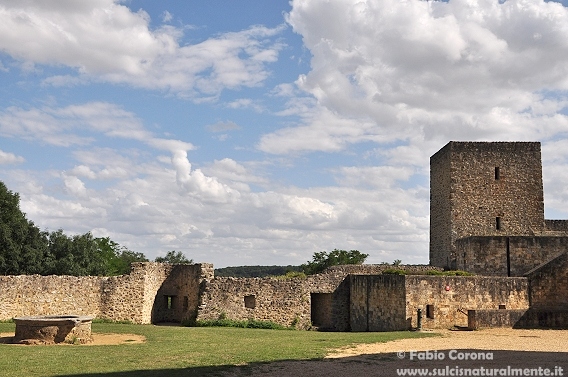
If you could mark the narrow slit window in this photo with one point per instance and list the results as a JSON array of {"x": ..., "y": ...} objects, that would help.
[
  {"x": 169, "y": 302},
  {"x": 497, "y": 173},
  {"x": 430, "y": 311},
  {"x": 498, "y": 223}
]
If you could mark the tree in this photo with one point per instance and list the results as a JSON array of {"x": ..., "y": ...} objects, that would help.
[
  {"x": 22, "y": 245},
  {"x": 323, "y": 260},
  {"x": 118, "y": 258},
  {"x": 174, "y": 257},
  {"x": 25, "y": 249}
]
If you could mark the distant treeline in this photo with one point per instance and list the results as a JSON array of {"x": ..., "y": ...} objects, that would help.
[{"x": 255, "y": 271}]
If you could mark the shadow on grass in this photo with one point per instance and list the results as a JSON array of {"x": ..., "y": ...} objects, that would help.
[{"x": 388, "y": 364}]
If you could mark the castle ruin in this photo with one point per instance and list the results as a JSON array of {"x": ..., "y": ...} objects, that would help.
[{"x": 487, "y": 217}]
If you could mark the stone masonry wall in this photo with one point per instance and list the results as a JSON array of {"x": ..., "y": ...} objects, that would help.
[
  {"x": 286, "y": 302},
  {"x": 494, "y": 189},
  {"x": 377, "y": 303},
  {"x": 177, "y": 298},
  {"x": 440, "y": 208},
  {"x": 451, "y": 297},
  {"x": 32, "y": 295},
  {"x": 127, "y": 297},
  {"x": 503, "y": 256},
  {"x": 549, "y": 285}
]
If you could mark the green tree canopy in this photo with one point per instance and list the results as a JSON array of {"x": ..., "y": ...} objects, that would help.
[
  {"x": 323, "y": 260},
  {"x": 174, "y": 257},
  {"x": 25, "y": 249},
  {"x": 118, "y": 258},
  {"x": 23, "y": 246}
]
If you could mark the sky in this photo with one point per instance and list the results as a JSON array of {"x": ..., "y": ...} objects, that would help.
[{"x": 259, "y": 132}]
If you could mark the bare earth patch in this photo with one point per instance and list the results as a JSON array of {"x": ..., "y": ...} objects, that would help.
[
  {"x": 488, "y": 339},
  {"x": 98, "y": 339},
  {"x": 508, "y": 348}
]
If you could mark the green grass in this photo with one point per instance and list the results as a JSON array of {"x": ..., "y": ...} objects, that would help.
[{"x": 177, "y": 351}]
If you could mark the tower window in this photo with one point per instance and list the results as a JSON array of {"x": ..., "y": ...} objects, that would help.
[
  {"x": 497, "y": 173},
  {"x": 498, "y": 223}
]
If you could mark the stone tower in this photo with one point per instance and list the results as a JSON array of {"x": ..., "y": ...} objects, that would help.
[{"x": 483, "y": 189}]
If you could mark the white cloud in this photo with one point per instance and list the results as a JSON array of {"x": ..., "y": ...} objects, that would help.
[
  {"x": 103, "y": 40},
  {"x": 427, "y": 69},
  {"x": 10, "y": 158},
  {"x": 80, "y": 125}
]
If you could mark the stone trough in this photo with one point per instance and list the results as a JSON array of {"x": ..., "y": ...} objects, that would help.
[{"x": 71, "y": 329}]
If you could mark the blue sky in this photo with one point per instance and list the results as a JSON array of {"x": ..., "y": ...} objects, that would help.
[{"x": 259, "y": 132}]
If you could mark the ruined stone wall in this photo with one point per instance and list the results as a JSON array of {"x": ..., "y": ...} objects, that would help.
[
  {"x": 445, "y": 300},
  {"x": 377, "y": 303},
  {"x": 286, "y": 302},
  {"x": 494, "y": 189},
  {"x": 374, "y": 269},
  {"x": 123, "y": 297},
  {"x": 507, "y": 256},
  {"x": 177, "y": 298},
  {"x": 127, "y": 297},
  {"x": 31, "y": 295}
]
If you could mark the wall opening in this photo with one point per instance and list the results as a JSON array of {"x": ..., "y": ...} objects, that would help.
[
  {"x": 250, "y": 301},
  {"x": 501, "y": 306},
  {"x": 185, "y": 303},
  {"x": 498, "y": 223},
  {"x": 170, "y": 302},
  {"x": 430, "y": 311},
  {"x": 321, "y": 309},
  {"x": 497, "y": 173}
]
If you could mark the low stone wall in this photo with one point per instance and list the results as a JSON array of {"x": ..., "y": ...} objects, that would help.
[
  {"x": 543, "y": 319},
  {"x": 286, "y": 302},
  {"x": 479, "y": 319},
  {"x": 129, "y": 297},
  {"x": 445, "y": 300},
  {"x": 34, "y": 295},
  {"x": 376, "y": 269}
]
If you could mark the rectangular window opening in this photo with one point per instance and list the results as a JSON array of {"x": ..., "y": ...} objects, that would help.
[
  {"x": 498, "y": 223},
  {"x": 169, "y": 302},
  {"x": 501, "y": 306},
  {"x": 250, "y": 301},
  {"x": 430, "y": 311},
  {"x": 497, "y": 173}
]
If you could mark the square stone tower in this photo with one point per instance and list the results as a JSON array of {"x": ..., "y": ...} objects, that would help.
[{"x": 483, "y": 189}]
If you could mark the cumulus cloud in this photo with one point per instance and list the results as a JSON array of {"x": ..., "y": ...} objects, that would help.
[
  {"x": 10, "y": 158},
  {"x": 103, "y": 40},
  {"x": 439, "y": 70}
]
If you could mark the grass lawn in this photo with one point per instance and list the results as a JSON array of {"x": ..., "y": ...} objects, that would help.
[{"x": 176, "y": 351}]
